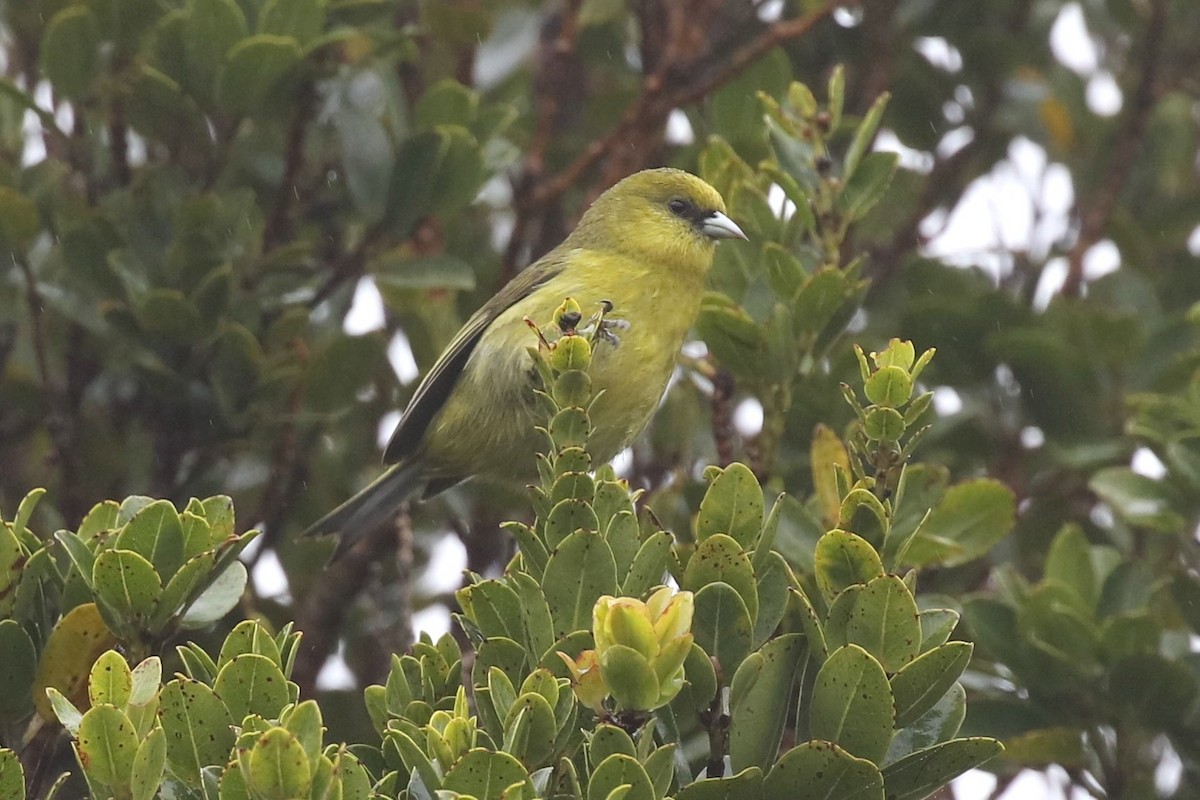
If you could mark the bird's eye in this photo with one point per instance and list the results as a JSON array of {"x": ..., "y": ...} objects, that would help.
[{"x": 678, "y": 207}]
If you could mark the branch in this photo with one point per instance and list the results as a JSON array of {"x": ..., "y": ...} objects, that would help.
[
  {"x": 329, "y": 601},
  {"x": 1095, "y": 217},
  {"x": 660, "y": 95},
  {"x": 275, "y": 229}
]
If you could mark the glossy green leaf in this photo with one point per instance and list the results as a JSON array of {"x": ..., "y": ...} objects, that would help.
[
  {"x": 221, "y": 596},
  {"x": 12, "y": 776},
  {"x": 852, "y": 704},
  {"x": 818, "y": 770},
  {"x": 155, "y": 534},
  {"x": 758, "y": 715},
  {"x": 843, "y": 559},
  {"x": 921, "y": 683},
  {"x": 722, "y": 625},
  {"x": 252, "y": 684},
  {"x": 970, "y": 518},
  {"x": 107, "y": 746},
  {"x": 148, "y": 765},
  {"x": 649, "y": 564},
  {"x": 617, "y": 770},
  {"x": 279, "y": 769},
  {"x": 127, "y": 583},
  {"x": 884, "y": 622},
  {"x": 732, "y": 505},
  {"x": 198, "y": 728},
  {"x": 580, "y": 570},
  {"x": 484, "y": 775},
  {"x": 720, "y": 559},
  {"x": 939, "y": 724},
  {"x": 916, "y": 775},
  {"x": 110, "y": 681}
]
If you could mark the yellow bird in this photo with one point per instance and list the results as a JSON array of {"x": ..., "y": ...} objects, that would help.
[{"x": 645, "y": 246}]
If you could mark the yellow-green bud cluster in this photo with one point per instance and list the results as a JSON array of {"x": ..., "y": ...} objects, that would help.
[{"x": 889, "y": 388}]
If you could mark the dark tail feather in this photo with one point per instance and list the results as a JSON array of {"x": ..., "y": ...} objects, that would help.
[{"x": 370, "y": 508}]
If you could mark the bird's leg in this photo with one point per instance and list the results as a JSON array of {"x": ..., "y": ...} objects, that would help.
[{"x": 603, "y": 328}]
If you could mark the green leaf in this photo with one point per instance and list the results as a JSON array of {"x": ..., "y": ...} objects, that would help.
[
  {"x": 155, "y": 534},
  {"x": 111, "y": 680},
  {"x": 649, "y": 564},
  {"x": 936, "y": 626},
  {"x": 409, "y": 191},
  {"x": 605, "y": 741},
  {"x": 539, "y": 624},
  {"x": 209, "y": 29},
  {"x": 17, "y": 669},
  {"x": 758, "y": 716},
  {"x": 198, "y": 728},
  {"x": 70, "y": 51},
  {"x": 253, "y": 68},
  {"x": 19, "y": 218},
  {"x": 127, "y": 583},
  {"x": 107, "y": 746},
  {"x": 580, "y": 570},
  {"x": 75, "y": 643},
  {"x": 867, "y": 185},
  {"x": 447, "y": 102},
  {"x": 916, "y": 776},
  {"x": 394, "y": 272},
  {"x": 863, "y": 136},
  {"x": 252, "y": 684},
  {"x": 922, "y": 682},
  {"x": 484, "y": 775},
  {"x": 536, "y": 744},
  {"x": 248, "y": 636},
  {"x": 1069, "y": 563},
  {"x": 169, "y": 314},
  {"x": 774, "y": 579},
  {"x": 970, "y": 518},
  {"x": 784, "y": 271},
  {"x": 722, "y": 625},
  {"x": 937, "y": 725},
  {"x": 12, "y": 777},
  {"x": 617, "y": 770},
  {"x": 279, "y": 769},
  {"x": 852, "y": 703},
  {"x": 822, "y": 771},
  {"x": 733, "y": 337},
  {"x": 144, "y": 681},
  {"x": 884, "y": 622},
  {"x": 218, "y": 599},
  {"x": 733, "y": 505},
  {"x": 303, "y": 20},
  {"x": 180, "y": 590},
  {"x": 1136, "y": 498},
  {"x": 843, "y": 559},
  {"x": 720, "y": 559},
  {"x": 148, "y": 765},
  {"x": 746, "y": 784}
]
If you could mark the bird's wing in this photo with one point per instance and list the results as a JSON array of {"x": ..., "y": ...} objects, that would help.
[{"x": 436, "y": 386}]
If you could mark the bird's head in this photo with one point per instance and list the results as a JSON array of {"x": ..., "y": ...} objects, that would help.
[{"x": 660, "y": 215}]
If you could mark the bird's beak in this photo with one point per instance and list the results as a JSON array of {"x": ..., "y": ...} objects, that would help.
[{"x": 718, "y": 226}]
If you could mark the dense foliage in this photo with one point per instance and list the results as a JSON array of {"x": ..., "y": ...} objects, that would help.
[{"x": 193, "y": 193}]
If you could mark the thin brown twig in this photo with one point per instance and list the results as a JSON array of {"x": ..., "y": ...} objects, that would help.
[
  {"x": 1094, "y": 218},
  {"x": 276, "y": 227},
  {"x": 658, "y": 98}
]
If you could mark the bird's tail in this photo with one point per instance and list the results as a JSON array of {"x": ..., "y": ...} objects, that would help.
[{"x": 370, "y": 508}]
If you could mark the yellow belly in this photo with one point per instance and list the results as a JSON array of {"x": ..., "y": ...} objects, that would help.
[{"x": 487, "y": 424}]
